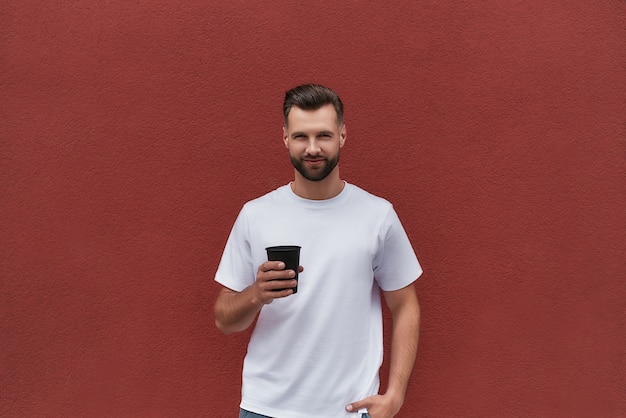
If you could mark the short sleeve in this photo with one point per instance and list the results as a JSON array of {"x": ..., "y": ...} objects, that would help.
[
  {"x": 236, "y": 270},
  {"x": 395, "y": 264}
]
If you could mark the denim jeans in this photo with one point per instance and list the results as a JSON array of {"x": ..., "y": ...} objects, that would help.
[{"x": 247, "y": 414}]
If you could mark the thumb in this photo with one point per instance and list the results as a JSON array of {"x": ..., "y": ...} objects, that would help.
[{"x": 357, "y": 406}]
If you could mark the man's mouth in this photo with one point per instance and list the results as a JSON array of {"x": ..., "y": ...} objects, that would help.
[{"x": 314, "y": 161}]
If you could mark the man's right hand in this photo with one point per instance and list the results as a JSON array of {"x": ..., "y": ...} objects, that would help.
[
  {"x": 272, "y": 282},
  {"x": 235, "y": 311}
]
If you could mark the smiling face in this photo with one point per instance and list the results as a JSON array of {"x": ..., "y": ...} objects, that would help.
[{"x": 314, "y": 140}]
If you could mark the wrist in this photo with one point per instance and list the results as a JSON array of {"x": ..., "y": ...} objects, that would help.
[
  {"x": 396, "y": 396},
  {"x": 255, "y": 296},
  {"x": 393, "y": 401}
]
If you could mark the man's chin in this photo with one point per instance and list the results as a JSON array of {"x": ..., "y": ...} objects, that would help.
[{"x": 318, "y": 176}]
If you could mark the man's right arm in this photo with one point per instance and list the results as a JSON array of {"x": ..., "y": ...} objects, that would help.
[{"x": 236, "y": 311}]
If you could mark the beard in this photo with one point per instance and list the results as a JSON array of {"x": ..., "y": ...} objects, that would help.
[{"x": 314, "y": 174}]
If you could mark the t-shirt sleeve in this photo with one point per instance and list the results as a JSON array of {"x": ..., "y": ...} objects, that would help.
[
  {"x": 235, "y": 270},
  {"x": 395, "y": 265}
]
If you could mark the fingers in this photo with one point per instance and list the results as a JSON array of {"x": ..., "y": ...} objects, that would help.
[
  {"x": 354, "y": 407},
  {"x": 276, "y": 265},
  {"x": 272, "y": 281},
  {"x": 361, "y": 405},
  {"x": 272, "y": 270},
  {"x": 272, "y": 265},
  {"x": 381, "y": 406}
]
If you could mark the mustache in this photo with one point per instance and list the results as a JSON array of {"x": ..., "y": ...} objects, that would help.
[{"x": 313, "y": 157}]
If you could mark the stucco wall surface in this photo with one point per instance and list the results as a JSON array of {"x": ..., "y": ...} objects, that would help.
[{"x": 132, "y": 132}]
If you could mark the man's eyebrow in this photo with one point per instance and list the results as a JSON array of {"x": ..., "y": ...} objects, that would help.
[{"x": 322, "y": 132}]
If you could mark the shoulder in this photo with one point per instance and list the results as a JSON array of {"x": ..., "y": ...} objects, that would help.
[
  {"x": 268, "y": 199},
  {"x": 366, "y": 198}
]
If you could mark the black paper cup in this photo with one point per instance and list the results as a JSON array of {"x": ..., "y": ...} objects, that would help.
[{"x": 288, "y": 254}]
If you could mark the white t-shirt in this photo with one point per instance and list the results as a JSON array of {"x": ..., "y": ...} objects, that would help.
[{"x": 316, "y": 351}]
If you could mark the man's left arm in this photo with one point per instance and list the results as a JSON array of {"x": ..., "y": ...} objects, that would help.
[{"x": 405, "y": 313}]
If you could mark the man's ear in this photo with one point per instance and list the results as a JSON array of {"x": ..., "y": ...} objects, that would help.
[
  {"x": 285, "y": 137},
  {"x": 342, "y": 135}
]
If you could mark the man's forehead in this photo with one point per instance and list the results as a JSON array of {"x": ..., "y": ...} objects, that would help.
[{"x": 325, "y": 114}]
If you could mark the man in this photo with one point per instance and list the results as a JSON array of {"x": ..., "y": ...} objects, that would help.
[{"x": 317, "y": 353}]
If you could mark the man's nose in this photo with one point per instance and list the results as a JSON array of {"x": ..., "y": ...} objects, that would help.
[{"x": 313, "y": 146}]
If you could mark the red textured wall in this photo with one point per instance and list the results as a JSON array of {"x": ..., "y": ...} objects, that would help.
[{"x": 132, "y": 132}]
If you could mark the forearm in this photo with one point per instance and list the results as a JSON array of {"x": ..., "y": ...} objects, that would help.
[
  {"x": 236, "y": 311},
  {"x": 405, "y": 313},
  {"x": 404, "y": 344}
]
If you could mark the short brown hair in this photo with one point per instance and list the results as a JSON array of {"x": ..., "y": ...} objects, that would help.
[{"x": 312, "y": 97}]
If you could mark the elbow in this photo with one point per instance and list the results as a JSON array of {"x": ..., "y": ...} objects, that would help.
[
  {"x": 219, "y": 326},
  {"x": 220, "y": 322},
  {"x": 224, "y": 328},
  {"x": 228, "y": 328}
]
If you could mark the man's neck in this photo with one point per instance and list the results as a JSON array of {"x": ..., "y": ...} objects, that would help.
[{"x": 328, "y": 188}]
